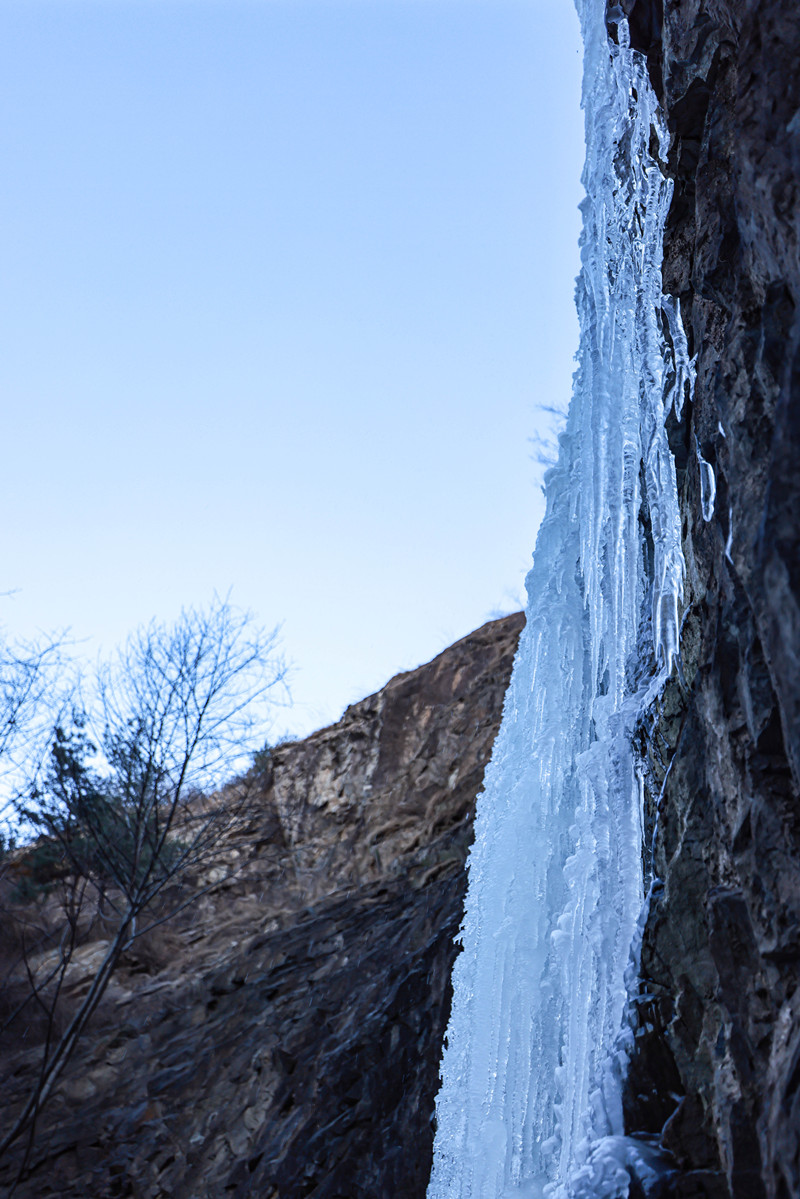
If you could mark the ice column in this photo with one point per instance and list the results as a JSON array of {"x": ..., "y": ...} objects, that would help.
[{"x": 555, "y": 877}]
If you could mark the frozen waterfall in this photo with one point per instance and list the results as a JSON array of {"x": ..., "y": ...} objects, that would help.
[{"x": 530, "y": 1100}]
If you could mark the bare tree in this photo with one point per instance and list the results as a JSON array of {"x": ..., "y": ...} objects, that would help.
[
  {"x": 27, "y": 670},
  {"x": 125, "y": 795}
]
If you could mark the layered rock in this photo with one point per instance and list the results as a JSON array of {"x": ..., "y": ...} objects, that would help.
[
  {"x": 718, "y": 1053},
  {"x": 282, "y": 1039}
]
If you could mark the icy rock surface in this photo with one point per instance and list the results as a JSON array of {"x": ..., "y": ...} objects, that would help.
[{"x": 530, "y": 1099}]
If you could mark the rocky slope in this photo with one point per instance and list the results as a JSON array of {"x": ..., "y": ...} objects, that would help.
[
  {"x": 718, "y": 1053},
  {"x": 282, "y": 1039}
]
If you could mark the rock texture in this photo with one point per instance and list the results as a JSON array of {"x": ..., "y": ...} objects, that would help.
[
  {"x": 283, "y": 1039},
  {"x": 718, "y": 1054}
]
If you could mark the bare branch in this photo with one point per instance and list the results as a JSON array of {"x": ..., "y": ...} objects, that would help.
[{"x": 168, "y": 720}]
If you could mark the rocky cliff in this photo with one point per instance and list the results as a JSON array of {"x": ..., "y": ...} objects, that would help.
[
  {"x": 282, "y": 1038},
  {"x": 717, "y": 1068}
]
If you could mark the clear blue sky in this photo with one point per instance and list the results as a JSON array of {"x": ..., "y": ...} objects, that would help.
[{"x": 283, "y": 288}]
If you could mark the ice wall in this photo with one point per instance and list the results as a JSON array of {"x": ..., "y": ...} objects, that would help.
[{"x": 531, "y": 1066}]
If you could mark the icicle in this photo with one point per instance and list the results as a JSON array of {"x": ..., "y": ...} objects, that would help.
[
  {"x": 530, "y": 1102},
  {"x": 729, "y": 542},
  {"x": 708, "y": 484},
  {"x": 683, "y": 366}
]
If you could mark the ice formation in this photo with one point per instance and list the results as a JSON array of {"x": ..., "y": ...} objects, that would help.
[
  {"x": 530, "y": 1101},
  {"x": 708, "y": 485}
]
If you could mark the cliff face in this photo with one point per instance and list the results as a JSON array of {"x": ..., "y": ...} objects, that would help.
[
  {"x": 283, "y": 1038},
  {"x": 721, "y": 953}
]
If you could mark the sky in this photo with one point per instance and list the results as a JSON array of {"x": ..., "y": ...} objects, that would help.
[{"x": 286, "y": 291}]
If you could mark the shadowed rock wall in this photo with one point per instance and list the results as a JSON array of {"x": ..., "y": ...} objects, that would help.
[
  {"x": 719, "y": 1044},
  {"x": 283, "y": 1038}
]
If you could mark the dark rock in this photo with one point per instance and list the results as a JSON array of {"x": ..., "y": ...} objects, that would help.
[{"x": 721, "y": 953}]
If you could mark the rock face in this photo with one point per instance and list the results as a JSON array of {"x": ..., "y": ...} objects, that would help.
[
  {"x": 283, "y": 1038},
  {"x": 721, "y": 953}
]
